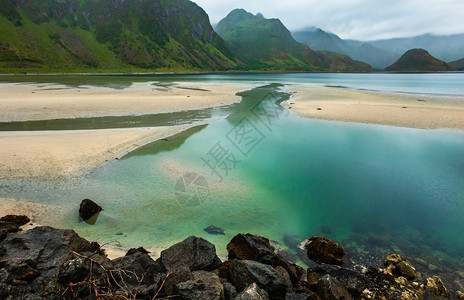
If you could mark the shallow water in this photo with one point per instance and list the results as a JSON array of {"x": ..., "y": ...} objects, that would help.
[{"x": 281, "y": 174}]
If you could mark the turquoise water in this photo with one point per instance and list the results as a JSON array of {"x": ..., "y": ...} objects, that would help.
[{"x": 286, "y": 175}]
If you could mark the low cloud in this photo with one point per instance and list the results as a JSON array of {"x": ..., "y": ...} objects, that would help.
[{"x": 354, "y": 19}]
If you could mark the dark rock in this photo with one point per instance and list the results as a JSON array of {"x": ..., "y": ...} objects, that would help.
[
  {"x": 322, "y": 250},
  {"x": 355, "y": 282},
  {"x": 77, "y": 268},
  {"x": 436, "y": 286},
  {"x": 139, "y": 265},
  {"x": 195, "y": 253},
  {"x": 24, "y": 271},
  {"x": 251, "y": 247},
  {"x": 331, "y": 289},
  {"x": 205, "y": 285},
  {"x": 229, "y": 291},
  {"x": 137, "y": 250},
  {"x": 397, "y": 266},
  {"x": 286, "y": 277},
  {"x": 309, "y": 296},
  {"x": 41, "y": 251},
  {"x": 223, "y": 270},
  {"x": 292, "y": 241},
  {"x": 97, "y": 249},
  {"x": 245, "y": 272},
  {"x": 214, "y": 230},
  {"x": 176, "y": 276},
  {"x": 88, "y": 208},
  {"x": 252, "y": 292},
  {"x": 7, "y": 227},
  {"x": 18, "y": 220}
]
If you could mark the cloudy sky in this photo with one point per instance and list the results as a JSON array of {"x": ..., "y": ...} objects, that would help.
[{"x": 354, "y": 19}]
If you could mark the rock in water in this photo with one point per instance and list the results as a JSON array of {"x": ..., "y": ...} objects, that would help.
[
  {"x": 397, "y": 266},
  {"x": 436, "y": 286},
  {"x": 88, "y": 208},
  {"x": 214, "y": 230},
  {"x": 18, "y": 220},
  {"x": 330, "y": 288},
  {"x": 253, "y": 292},
  {"x": 194, "y": 253},
  {"x": 7, "y": 227},
  {"x": 322, "y": 250}
]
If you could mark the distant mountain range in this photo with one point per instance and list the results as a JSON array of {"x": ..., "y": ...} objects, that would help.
[
  {"x": 382, "y": 53},
  {"x": 268, "y": 44},
  {"x": 418, "y": 60},
  {"x": 176, "y": 35}
]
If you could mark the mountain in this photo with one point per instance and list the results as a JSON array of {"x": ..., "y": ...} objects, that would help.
[
  {"x": 268, "y": 44},
  {"x": 457, "y": 64},
  {"x": 318, "y": 39},
  {"x": 446, "y": 47},
  {"x": 69, "y": 35},
  {"x": 418, "y": 60}
]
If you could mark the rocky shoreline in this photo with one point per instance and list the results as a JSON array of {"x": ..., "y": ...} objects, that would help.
[{"x": 50, "y": 263}]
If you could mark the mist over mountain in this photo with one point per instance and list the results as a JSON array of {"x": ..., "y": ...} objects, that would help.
[
  {"x": 267, "y": 43},
  {"x": 382, "y": 53}
]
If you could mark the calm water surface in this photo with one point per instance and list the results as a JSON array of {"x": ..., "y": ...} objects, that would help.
[{"x": 280, "y": 174}]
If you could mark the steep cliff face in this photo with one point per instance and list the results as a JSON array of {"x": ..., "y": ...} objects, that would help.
[{"x": 109, "y": 34}]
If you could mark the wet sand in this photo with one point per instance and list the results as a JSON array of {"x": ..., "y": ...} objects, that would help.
[
  {"x": 340, "y": 104},
  {"x": 25, "y": 102}
]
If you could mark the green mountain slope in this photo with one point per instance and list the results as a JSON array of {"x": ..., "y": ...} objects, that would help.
[
  {"x": 418, "y": 60},
  {"x": 267, "y": 44},
  {"x": 457, "y": 64},
  {"x": 85, "y": 35}
]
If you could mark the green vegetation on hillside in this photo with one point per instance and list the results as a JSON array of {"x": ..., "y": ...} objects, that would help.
[
  {"x": 418, "y": 60},
  {"x": 457, "y": 64},
  {"x": 109, "y": 35},
  {"x": 267, "y": 43}
]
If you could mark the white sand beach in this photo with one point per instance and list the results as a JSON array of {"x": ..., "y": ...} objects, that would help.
[{"x": 340, "y": 104}]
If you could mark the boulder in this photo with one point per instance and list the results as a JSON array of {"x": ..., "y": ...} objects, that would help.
[
  {"x": 355, "y": 282},
  {"x": 252, "y": 292},
  {"x": 245, "y": 272},
  {"x": 7, "y": 227},
  {"x": 322, "y": 250},
  {"x": 77, "y": 268},
  {"x": 214, "y": 230},
  {"x": 88, "y": 208},
  {"x": 137, "y": 250},
  {"x": 436, "y": 286},
  {"x": 397, "y": 266},
  {"x": 195, "y": 253},
  {"x": 309, "y": 296},
  {"x": 34, "y": 258},
  {"x": 251, "y": 247},
  {"x": 229, "y": 291},
  {"x": 175, "y": 277},
  {"x": 330, "y": 288},
  {"x": 204, "y": 285},
  {"x": 18, "y": 220},
  {"x": 136, "y": 267}
]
